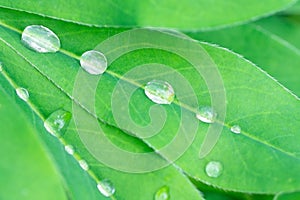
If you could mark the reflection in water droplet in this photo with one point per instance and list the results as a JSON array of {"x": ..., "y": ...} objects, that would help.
[
  {"x": 206, "y": 114},
  {"x": 106, "y": 188},
  {"x": 40, "y": 39},
  {"x": 94, "y": 62},
  {"x": 83, "y": 164},
  {"x": 162, "y": 193},
  {"x": 22, "y": 93},
  {"x": 69, "y": 149},
  {"x": 236, "y": 129},
  {"x": 57, "y": 122},
  {"x": 160, "y": 92},
  {"x": 214, "y": 169}
]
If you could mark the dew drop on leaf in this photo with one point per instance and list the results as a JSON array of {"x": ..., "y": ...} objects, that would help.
[
  {"x": 83, "y": 164},
  {"x": 162, "y": 193},
  {"x": 160, "y": 92},
  {"x": 1, "y": 67},
  {"x": 22, "y": 93},
  {"x": 106, "y": 188},
  {"x": 94, "y": 62},
  {"x": 69, "y": 149},
  {"x": 40, "y": 39},
  {"x": 236, "y": 129},
  {"x": 214, "y": 169},
  {"x": 57, "y": 122},
  {"x": 206, "y": 114}
]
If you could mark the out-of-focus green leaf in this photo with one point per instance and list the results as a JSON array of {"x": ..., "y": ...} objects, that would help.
[
  {"x": 288, "y": 196},
  {"x": 188, "y": 14},
  {"x": 26, "y": 170},
  {"x": 294, "y": 10},
  {"x": 273, "y": 44}
]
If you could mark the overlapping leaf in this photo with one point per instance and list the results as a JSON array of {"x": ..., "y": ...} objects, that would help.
[
  {"x": 26, "y": 170},
  {"x": 46, "y": 97},
  {"x": 272, "y": 43},
  {"x": 258, "y": 156},
  {"x": 188, "y": 14}
]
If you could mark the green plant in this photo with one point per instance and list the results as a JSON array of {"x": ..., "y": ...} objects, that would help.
[{"x": 113, "y": 96}]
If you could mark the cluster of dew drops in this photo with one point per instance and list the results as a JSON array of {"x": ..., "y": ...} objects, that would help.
[{"x": 41, "y": 39}]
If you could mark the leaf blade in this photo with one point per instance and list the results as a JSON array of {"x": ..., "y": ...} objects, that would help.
[{"x": 167, "y": 14}]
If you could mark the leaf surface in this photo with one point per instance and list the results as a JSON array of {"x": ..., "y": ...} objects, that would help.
[
  {"x": 288, "y": 196},
  {"x": 255, "y": 156},
  {"x": 168, "y": 13},
  {"x": 272, "y": 43},
  {"x": 46, "y": 97},
  {"x": 26, "y": 170}
]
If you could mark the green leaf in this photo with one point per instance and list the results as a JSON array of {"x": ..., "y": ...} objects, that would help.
[
  {"x": 46, "y": 97},
  {"x": 212, "y": 193},
  {"x": 289, "y": 196},
  {"x": 272, "y": 43},
  {"x": 294, "y": 10},
  {"x": 264, "y": 156},
  {"x": 26, "y": 170},
  {"x": 78, "y": 184},
  {"x": 188, "y": 14}
]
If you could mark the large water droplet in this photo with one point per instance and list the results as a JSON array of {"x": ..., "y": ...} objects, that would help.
[
  {"x": 22, "y": 93},
  {"x": 236, "y": 129},
  {"x": 40, "y": 39},
  {"x": 69, "y": 149},
  {"x": 160, "y": 92},
  {"x": 83, "y": 164},
  {"x": 206, "y": 114},
  {"x": 57, "y": 122},
  {"x": 106, "y": 188},
  {"x": 162, "y": 193},
  {"x": 94, "y": 62},
  {"x": 214, "y": 169}
]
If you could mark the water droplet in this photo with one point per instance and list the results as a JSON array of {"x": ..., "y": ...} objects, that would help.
[
  {"x": 1, "y": 66},
  {"x": 106, "y": 188},
  {"x": 94, "y": 62},
  {"x": 22, "y": 93},
  {"x": 214, "y": 169},
  {"x": 160, "y": 92},
  {"x": 40, "y": 39},
  {"x": 162, "y": 193},
  {"x": 57, "y": 122},
  {"x": 83, "y": 164},
  {"x": 206, "y": 114},
  {"x": 69, "y": 149},
  {"x": 236, "y": 129}
]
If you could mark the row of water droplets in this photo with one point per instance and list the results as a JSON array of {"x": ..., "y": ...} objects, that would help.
[{"x": 43, "y": 40}]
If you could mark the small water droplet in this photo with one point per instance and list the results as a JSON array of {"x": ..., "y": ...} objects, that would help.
[
  {"x": 94, "y": 62},
  {"x": 22, "y": 93},
  {"x": 106, "y": 188},
  {"x": 1, "y": 66},
  {"x": 162, "y": 193},
  {"x": 83, "y": 164},
  {"x": 214, "y": 169},
  {"x": 236, "y": 129},
  {"x": 69, "y": 149},
  {"x": 57, "y": 122},
  {"x": 40, "y": 39},
  {"x": 206, "y": 114},
  {"x": 160, "y": 92}
]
